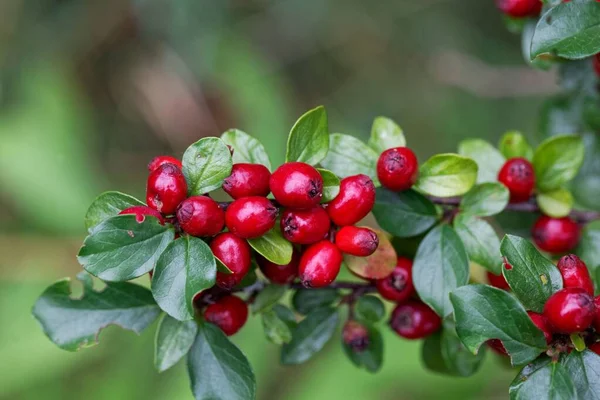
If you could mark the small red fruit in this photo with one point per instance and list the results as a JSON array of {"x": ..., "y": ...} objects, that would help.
[
  {"x": 540, "y": 321},
  {"x": 161, "y": 160},
  {"x": 497, "y": 347},
  {"x": 229, "y": 313},
  {"x": 398, "y": 169},
  {"x": 570, "y": 310},
  {"x": 356, "y": 336},
  {"x": 596, "y": 63},
  {"x": 234, "y": 252},
  {"x": 398, "y": 286},
  {"x": 355, "y": 200},
  {"x": 250, "y": 217},
  {"x": 320, "y": 264},
  {"x": 414, "y": 320},
  {"x": 597, "y": 316},
  {"x": 497, "y": 281},
  {"x": 279, "y": 274},
  {"x": 141, "y": 212},
  {"x": 297, "y": 185},
  {"x": 556, "y": 235},
  {"x": 305, "y": 226},
  {"x": 360, "y": 242},
  {"x": 595, "y": 348},
  {"x": 520, "y": 8},
  {"x": 575, "y": 273},
  {"x": 166, "y": 188},
  {"x": 519, "y": 178},
  {"x": 247, "y": 180},
  {"x": 200, "y": 216}
]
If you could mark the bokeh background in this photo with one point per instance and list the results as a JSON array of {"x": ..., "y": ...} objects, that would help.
[{"x": 90, "y": 91}]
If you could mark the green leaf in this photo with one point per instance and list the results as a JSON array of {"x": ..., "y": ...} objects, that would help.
[
  {"x": 310, "y": 336},
  {"x": 378, "y": 265},
  {"x": 441, "y": 265},
  {"x": 481, "y": 242},
  {"x": 186, "y": 268},
  {"x": 372, "y": 357},
  {"x": 543, "y": 63},
  {"x": 331, "y": 185},
  {"x": 485, "y": 200},
  {"x": 457, "y": 358},
  {"x": 173, "y": 341},
  {"x": 404, "y": 214},
  {"x": 584, "y": 369},
  {"x": 556, "y": 203},
  {"x": 543, "y": 380},
  {"x": 513, "y": 144},
  {"x": 307, "y": 300},
  {"x": 218, "y": 369},
  {"x": 588, "y": 250},
  {"x": 489, "y": 160},
  {"x": 568, "y": 30},
  {"x": 273, "y": 246},
  {"x": 309, "y": 138},
  {"x": 73, "y": 324},
  {"x": 247, "y": 149},
  {"x": 206, "y": 164},
  {"x": 431, "y": 354},
  {"x": 532, "y": 278},
  {"x": 369, "y": 309},
  {"x": 557, "y": 160},
  {"x": 446, "y": 175},
  {"x": 107, "y": 205},
  {"x": 386, "y": 134},
  {"x": 268, "y": 297},
  {"x": 276, "y": 330},
  {"x": 349, "y": 156},
  {"x": 286, "y": 315},
  {"x": 483, "y": 312},
  {"x": 121, "y": 248},
  {"x": 560, "y": 115}
]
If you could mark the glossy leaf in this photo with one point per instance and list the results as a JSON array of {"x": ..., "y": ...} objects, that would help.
[
  {"x": 386, "y": 134},
  {"x": 480, "y": 241},
  {"x": 556, "y": 203},
  {"x": 378, "y": 265},
  {"x": 543, "y": 380},
  {"x": 514, "y": 144},
  {"x": 584, "y": 370},
  {"x": 544, "y": 63},
  {"x": 371, "y": 358},
  {"x": 485, "y": 199},
  {"x": 307, "y": 300},
  {"x": 331, "y": 185},
  {"x": 557, "y": 160},
  {"x": 309, "y": 138},
  {"x": 446, "y": 175},
  {"x": 489, "y": 160},
  {"x": 246, "y": 149},
  {"x": 268, "y": 297},
  {"x": 276, "y": 330},
  {"x": 273, "y": 246},
  {"x": 173, "y": 341},
  {"x": 349, "y": 156},
  {"x": 206, "y": 164},
  {"x": 369, "y": 309},
  {"x": 107, "y": 205}
]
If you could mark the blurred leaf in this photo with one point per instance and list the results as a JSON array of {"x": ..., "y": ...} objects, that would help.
[
  {"x": 589, "y": 251},
  {"x": 584, "y": 369},
  {"x": 276, "y": 330},
  {"x": 247, "y": 149},
  {"x": 107, "y": 205},
  {"x": 557, "y": 160},
  {"x": 369, "y": 309},
  {"x": 121, "y": 248},
  {"x": 560, "y": 115},
  {"x": 555, "y": 203},
  {"x": 73, "y": 324},
  {"x": 543, "y": 380},
  {"x": 586, "y": 185},
  {"x": 458, "y": 359},
  {"x": 206, "y": 164},
  {"x": 184, "y": 269},
  {"x": 268, "y": 297},
  {"x": 273, "y": 246},
  {"x": 446, "y": 175},
  {"x": 331, "y": 185},
  {"x": 173, "y": 341},
  {"x": 378, "y": 265},
  {"x": 309, "y": 138},
  {"x": 513, "y": 144},
  {"x": 307, "y": 300},
  {"x": 386, "y": 134},
  {"x": 480, "y": 241},
  {"x": 431, "y": 354},
  {"x": 349, "y": 156},
  {"x": 489, "y": 160},
  {"x": 485, "y": 200},
  {"x": 591, "y": 113},
  {"x": 372, "y": 357},
  {"x": 286, "y": 315}
]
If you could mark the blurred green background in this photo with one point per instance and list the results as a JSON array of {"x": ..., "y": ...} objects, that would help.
[{"x": 90, "y": 91}]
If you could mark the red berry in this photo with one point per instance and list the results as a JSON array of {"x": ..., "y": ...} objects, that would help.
[
  {"x": 540, "y": 321},
  {"x": 595, "y": 348},
  {"x": 234, "y": 252},
  {"x": 297, "y": 185},
  {"x": 355, "y": 336},
  {"x": 497, "y": 346},
  {"x": 597, "y": 316},
  {"x": 200, "y": 216},
  {"x": 141, "y": 212},
  {"x": 229, "y": 313},
  {"x": 398, "y": 168},
  {"x": 519, "y": 178},
  {"x": 556, "y": 235},
  {"x": 355, "y": 200},
  {"x": 497, "y": 281},
  {"x": 570, "y": 310},
  {"x": 520, "y": 8},
  {"x": 320, "y": 264},
  {"x": 575, "y": 273},
  {"x": 161, "y": 160},
  {"x": 398, "y": 286},
  {"x": 250, "y": 217},
  {"x": 166, "y": 189},
  {"x": 414, "y": 320},
  {"x": 596, "y": 63},
  {"x": 305, "y": 226},
  {"x": 247, "y": 180},
  {"x": 360, "y": 242},
  {"x": 279, "y": 274}
]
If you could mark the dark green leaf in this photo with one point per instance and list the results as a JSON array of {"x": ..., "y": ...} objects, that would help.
[
  {"x": 73, "y": 324},
  {"x": 584, "y": 369},
  {"x": 513, "y": 144},
  {"x": 404, "y": 214},
  {"x": 349, "y": 156},
  {"x": 286, "y": 315},
  {"x": 489, "y": 160},
  {"x": 543, "y": 63},
  {"x": 173, "y": 341},
  {"x": 586, "y": 185},
  {"x": 431, "y": 353},
  {"x": 556, "y": 203},
  {"x": 276, "y": 330},
  {"x": 386, "y": 134},
  {"x": 458, "y": 359},
  {"x": 107, "y": 205},
  {"x": 273, "y": 246},
  {"x": 485, "y": 199},
  {"x": 331, "y": 185},
  {"x": 589, "y": 251},
  {"x": 560, "y": 115},
  {"x": 446, "y": 175},
  {"x": 206, "y": 164},
  {"x": 369, "y": 309},
  {"x": 372, "y": 357},
  {"x": 481, "y": 242},
  {"x": 121, "y": 248},
  {"x": 543, "y": 380},
  {"x": 309, "y": 138},
  {"x": 268, "y": 297},
  {"x": 483, "y": 312},
  {"x": 533, "y": 278},
  {"x": 246, "y": 149},
  {"x": 218, "y": 369},
  {"x": 186, "y": 268},
  {"x": 557, "y": 160},
  {"x": 307, "y": 300}
]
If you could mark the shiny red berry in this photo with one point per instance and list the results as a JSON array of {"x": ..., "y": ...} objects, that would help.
[
  {"x": 520, "y": 8},
  {"x": 497, "y": 347},
  {"x": 519, "y": 178},
  {"x": 398, "y": 169},
  {"x": 597, "y": 316},
  {"x": 141, "y": 212},
  {"x": 166, "y": 189},
  {"x": 497, "y": 281},
  {"x": 398, "y": 286},
  {"x": 234, "y": 252},
  {"x": 360, "y": 242},
  {"x": 355, "y": 200},
  {"x": 570, "y": 310},
  {"x": 556, "y": 235},
  {"x": 229, "y": 313},
  {"x": 575, "y": 273},
  {"x": 414, "y": 320},
  {"x": 320, "y": 264},
  {"x": 200, "y": 216},
  {"x": 305, "y": 226},
  {"x": 250, "y": 217},
  {"x": 297, "y": 185},
  {"x": 247, "y": 180},
  {"x": 542, "y": 324},
  {"x": 356, "y": 336},
  {"x": 161, "y": 160},
  {"x": 279, "y": 274}
]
